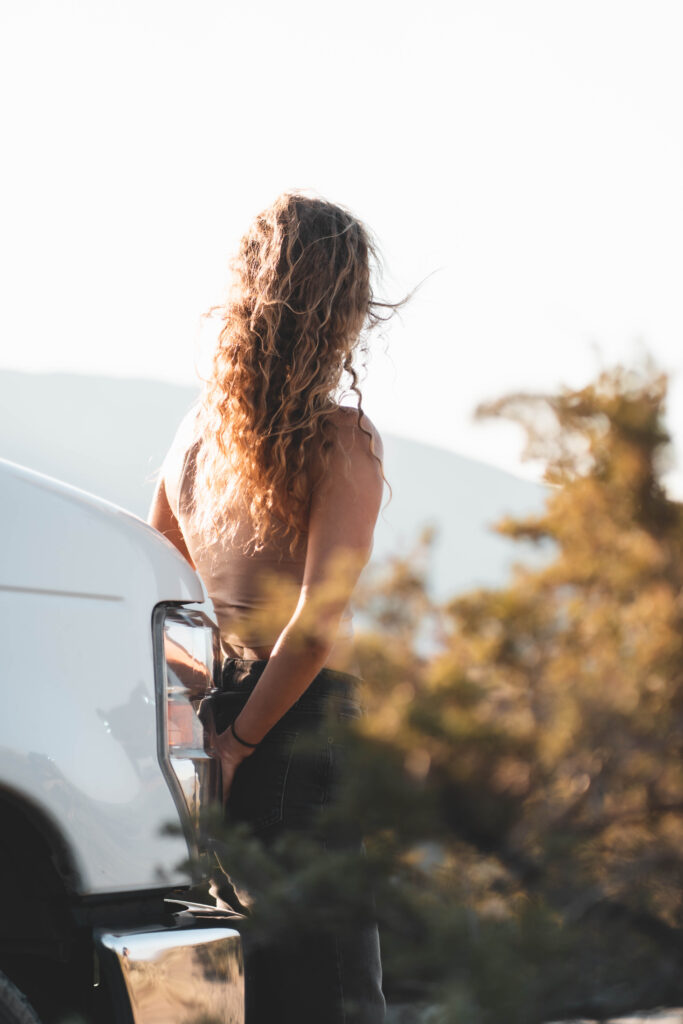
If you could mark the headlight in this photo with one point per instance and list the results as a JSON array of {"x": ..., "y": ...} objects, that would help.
[{"x": 187, "y": 655}]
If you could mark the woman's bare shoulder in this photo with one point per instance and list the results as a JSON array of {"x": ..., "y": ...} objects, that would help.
[
  {"x": 186, "y": 432},
  {"x": 348, "y": 493},
  {"x": 174, "y": 462},
  {"x": 358, "y": 434}
]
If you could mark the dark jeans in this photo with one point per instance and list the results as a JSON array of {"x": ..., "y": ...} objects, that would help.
[{"x": 319, "y": 976}]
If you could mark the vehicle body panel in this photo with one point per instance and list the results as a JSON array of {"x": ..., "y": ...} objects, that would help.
[{"x": 79, "y": 579}]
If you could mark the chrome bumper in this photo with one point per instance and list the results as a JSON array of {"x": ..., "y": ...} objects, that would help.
[{"x": 190, "y": 970}]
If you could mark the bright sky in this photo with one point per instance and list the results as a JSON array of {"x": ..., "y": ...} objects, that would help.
[{"x": 531, "y": 153}]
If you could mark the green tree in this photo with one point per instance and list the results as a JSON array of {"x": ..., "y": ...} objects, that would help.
[{"x": 518, "y": 775}]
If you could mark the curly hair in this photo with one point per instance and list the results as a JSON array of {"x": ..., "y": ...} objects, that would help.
[{"x": 300, "y": 306}]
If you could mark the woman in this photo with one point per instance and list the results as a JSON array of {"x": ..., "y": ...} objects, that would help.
[{"x": 271, "y": 481}]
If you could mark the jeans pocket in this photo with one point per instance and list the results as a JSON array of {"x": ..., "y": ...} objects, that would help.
[{"x": 257, "y": 796}]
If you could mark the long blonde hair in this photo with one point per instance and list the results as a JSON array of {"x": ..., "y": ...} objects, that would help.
[{"x": 300, "y": 306}]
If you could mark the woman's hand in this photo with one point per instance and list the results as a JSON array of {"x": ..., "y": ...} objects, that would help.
[{"x": 228, "y": 751}]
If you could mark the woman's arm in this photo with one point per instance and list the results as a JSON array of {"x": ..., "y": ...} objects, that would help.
[
  {"x": 344, "y": 510},
  {"x": 161, "y": 517}
]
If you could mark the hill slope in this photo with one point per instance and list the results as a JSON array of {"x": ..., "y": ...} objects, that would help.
[{"x": 109, "y": 436}]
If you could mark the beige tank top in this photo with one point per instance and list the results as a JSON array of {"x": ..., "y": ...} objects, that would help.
[{"x": 237, "y": 583}]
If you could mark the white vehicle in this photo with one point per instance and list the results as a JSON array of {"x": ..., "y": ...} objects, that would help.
[{"x": 105, "y": 650}]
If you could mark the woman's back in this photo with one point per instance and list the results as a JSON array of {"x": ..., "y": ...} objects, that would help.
[
  {"x": 236, "y": 579},
  {"x": 254, "y": 590}
]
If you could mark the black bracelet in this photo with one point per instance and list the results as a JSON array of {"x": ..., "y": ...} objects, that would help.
[{"x": 240, "y": 740}]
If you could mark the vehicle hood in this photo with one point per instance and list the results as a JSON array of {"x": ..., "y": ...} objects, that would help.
[{"x": 59, "y": 539}]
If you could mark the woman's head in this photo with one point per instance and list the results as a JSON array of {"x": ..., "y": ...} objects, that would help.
[
  {"x": 300, "y": 298},
  {"x": 302, "y": 283}
]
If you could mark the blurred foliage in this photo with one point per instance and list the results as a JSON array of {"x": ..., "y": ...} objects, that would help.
[{"x": 518, "y": 774}]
